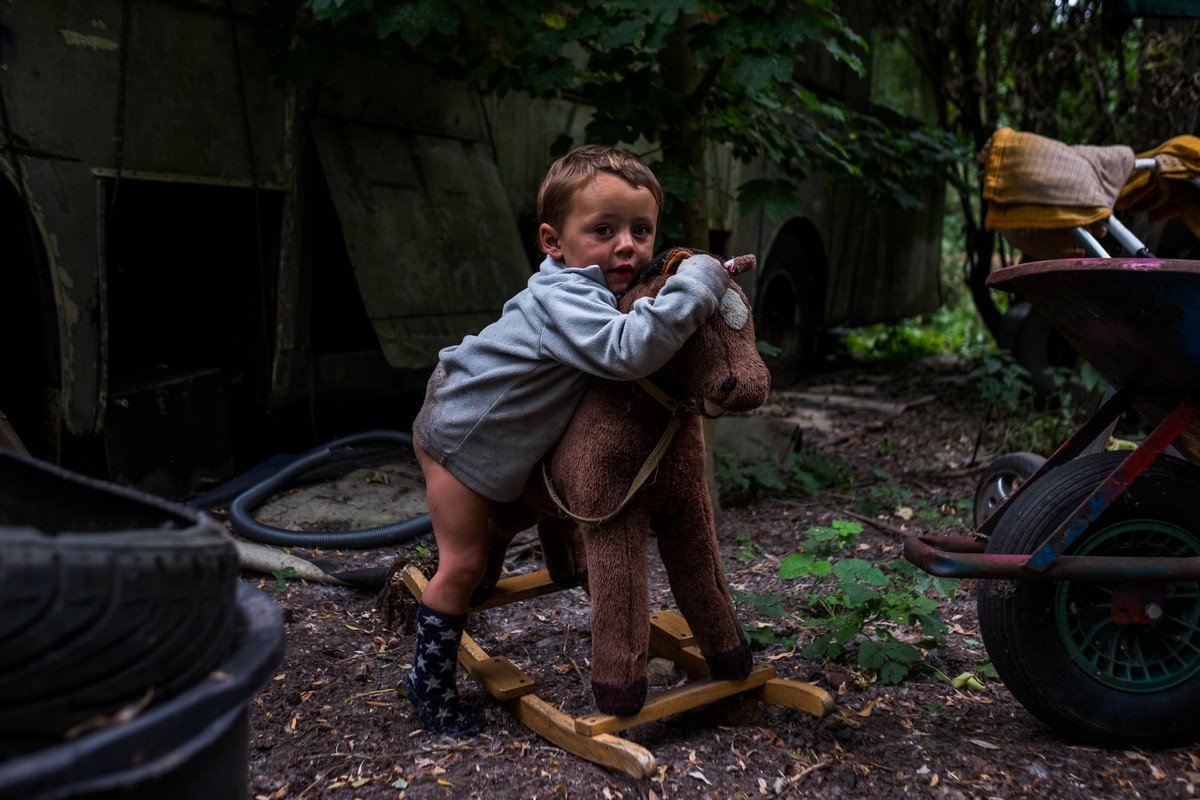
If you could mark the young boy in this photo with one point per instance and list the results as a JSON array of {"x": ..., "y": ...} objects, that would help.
[{"x": 500, "y": 400}]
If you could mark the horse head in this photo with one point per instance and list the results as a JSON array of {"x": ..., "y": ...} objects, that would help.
[{"x": 719, "y": 366}]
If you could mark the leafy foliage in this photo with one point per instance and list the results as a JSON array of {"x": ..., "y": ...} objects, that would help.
[
  {"x": 1029, "y": 422},
  {"x": 804, "y": 473},
  {"x": 856, "y": 608},
  {"x": 673, "y": 75},
  {"x": 1068, "y": 69}
]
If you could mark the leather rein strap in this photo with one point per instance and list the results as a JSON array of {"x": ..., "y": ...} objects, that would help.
[{"x": 678, "y": 409}]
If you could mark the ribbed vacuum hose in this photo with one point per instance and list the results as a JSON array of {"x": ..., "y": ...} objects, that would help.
[{"x": 392, "y": 533}]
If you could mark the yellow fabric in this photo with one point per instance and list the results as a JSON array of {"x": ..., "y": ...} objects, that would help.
[
  {"x": 1030, "y": 215},
  {"x": 1166, "y": 191},
  {"x": 1032, "y": 181}
]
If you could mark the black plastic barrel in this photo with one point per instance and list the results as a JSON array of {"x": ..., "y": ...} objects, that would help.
[
  {"x": 192, "y": 747},
  {"x": 129, "y": 647}
]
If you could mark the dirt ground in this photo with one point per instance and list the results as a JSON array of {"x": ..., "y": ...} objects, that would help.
[{"x": 331, "y": 724}]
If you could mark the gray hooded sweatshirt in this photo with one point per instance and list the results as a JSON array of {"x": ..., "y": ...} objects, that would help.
[{"x": 500, "y": 400}]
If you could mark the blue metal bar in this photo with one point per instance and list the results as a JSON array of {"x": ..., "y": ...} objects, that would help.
[{"x": 1125, "y": 474}]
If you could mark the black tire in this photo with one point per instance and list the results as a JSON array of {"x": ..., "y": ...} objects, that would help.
[
  {"x": 106, "y": 594},
  {"x": 788, "y": 307},
  {"x": 1001, "y": 479},
  {"x": 1055, "y": 644}
]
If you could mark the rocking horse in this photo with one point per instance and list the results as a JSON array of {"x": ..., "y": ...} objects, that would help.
[{"x": 647, "y": 436}]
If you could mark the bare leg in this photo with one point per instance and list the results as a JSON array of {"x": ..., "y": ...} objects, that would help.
[
  {"x": 459, "y": 518},
  {"x": 460, "y": 524}
]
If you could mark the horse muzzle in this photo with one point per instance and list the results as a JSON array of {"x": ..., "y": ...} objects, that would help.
[{"x": 710, "y": 409}]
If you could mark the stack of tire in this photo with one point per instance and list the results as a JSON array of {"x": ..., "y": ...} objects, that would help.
[{"x": 128, "y": 648}]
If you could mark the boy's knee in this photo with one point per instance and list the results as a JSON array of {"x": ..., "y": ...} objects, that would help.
[{"x": 464, "y": 575}]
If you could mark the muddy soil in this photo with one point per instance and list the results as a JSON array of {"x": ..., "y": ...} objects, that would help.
[{"x": 331, "y": 723}]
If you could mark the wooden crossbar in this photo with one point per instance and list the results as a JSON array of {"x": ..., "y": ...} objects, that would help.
[{"x": 591, "y": 736}]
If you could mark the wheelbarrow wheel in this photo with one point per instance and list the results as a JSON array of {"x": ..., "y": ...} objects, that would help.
[
  {"x": 1056, "y": 645},
  {"x": 1001, "y": 479}
]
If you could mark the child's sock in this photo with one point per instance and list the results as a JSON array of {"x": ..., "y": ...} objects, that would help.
[{"x": 430, "y": 683}]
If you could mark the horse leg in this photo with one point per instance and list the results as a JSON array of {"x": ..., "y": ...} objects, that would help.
[
  {"x": 687, "y": 543},
  {"x": 563, "y": 551},
  {"x": 505, "y": 521},
  {"x": 620, "y": 595}
]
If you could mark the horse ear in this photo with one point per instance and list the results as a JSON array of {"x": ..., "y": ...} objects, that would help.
[
  {"x": 739, "y": 264},
  {"x": 674, "y": 258}
]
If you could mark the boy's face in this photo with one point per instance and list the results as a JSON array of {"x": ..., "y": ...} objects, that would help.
[{"x": 610, "y": 223}]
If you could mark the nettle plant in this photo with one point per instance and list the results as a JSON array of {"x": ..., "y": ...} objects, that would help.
[
  {"x": 878, "y": 617},
  {"x": 805, "y": 473}
]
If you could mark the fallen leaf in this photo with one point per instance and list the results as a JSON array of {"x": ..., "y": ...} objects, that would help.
[
  {"x": 968, "y": 680},
  {"x": 698, "y": 775},
  {"x": 984, "y": 745}
]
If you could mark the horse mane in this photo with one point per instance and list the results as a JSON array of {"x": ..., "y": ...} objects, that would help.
[{"x": 654, "y": 268}]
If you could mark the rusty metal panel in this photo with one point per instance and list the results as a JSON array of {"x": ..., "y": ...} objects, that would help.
[
  {"x": 429, "y": 232},
  {"x": 883, "y": 259},
  {"x": 1133, "y": 319},
  {"x": 408, "y": 96},
  {"x": 185, "y": 78},
  {"x": 180, "y": 113}
]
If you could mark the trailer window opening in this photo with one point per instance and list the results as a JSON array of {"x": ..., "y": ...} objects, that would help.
[{"x": 189, "y": 270}]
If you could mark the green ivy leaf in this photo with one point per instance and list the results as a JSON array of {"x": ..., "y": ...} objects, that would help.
[
  {"x": 892, "y": 673},
  {"x": 856, "y": 570},
  {"x": 415, "y": 22},
  {"x": 777, "y": 197},
  {"x": 799, "y": 565}
]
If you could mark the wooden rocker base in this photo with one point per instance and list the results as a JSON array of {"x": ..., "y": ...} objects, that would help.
[{"x": 592, "y": 736}]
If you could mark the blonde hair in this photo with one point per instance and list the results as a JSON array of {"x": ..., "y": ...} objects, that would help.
[{"x": 580, "y": 166}]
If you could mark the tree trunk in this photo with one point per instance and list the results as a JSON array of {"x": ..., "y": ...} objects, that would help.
[{"x": 681, "y": 136}]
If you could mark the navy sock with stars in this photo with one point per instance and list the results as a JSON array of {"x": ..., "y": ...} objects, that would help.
[{"x": 430, "y": 683}]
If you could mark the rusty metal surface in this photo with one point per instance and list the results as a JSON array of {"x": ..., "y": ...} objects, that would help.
[
  {"x": 1114, "y": 485},
  {"x": 963, "y": 557},
  {"x": 1134, "y": 319}
]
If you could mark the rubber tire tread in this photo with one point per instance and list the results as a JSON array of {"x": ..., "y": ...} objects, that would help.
[
  {"x": 90, "y": 621},
  {"x": 1020, "y": 464},
  {"x": 1017, "y": 618},
  {"x": 792, "y": 271}
]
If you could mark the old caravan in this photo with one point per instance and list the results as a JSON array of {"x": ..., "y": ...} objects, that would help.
[{"x": 191, "y": 249}]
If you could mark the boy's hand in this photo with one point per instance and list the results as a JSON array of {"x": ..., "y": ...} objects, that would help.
[
  {"x": 672, "y": 259},
  {"x": 705, "y": 268},
  {"x": 699, "y": 261}
]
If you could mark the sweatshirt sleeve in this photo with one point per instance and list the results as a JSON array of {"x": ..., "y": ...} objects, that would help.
[{"x": 584, "y": 329}]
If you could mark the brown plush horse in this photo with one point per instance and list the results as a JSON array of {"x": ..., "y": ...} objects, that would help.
[{"x": 610, "y": 447}]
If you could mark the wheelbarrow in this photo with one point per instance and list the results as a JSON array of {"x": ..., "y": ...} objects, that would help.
[{"x": 1089, "y": 590}]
